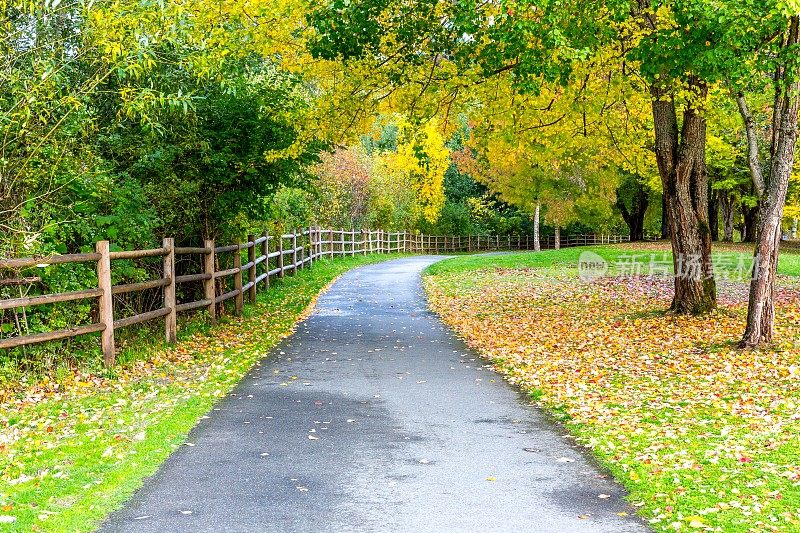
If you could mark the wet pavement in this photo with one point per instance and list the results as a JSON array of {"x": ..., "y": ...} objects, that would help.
[{"x": 374, "y": 417}]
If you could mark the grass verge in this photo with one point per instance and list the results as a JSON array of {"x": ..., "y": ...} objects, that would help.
[
  {"x": 74, "y": 447},
  {"x": 704, "y": 437}
]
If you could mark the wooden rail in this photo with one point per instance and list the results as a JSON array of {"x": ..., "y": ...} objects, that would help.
[{"x": 267, "y": 257}]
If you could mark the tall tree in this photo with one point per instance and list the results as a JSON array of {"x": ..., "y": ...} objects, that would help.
[
  {"x": 633, "y": 199},
  {"x": 539, "y": 42},
  {"x": 774, "y": 49}
]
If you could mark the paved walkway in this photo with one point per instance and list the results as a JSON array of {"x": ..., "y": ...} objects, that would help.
[{"x": 373, "y": 417}]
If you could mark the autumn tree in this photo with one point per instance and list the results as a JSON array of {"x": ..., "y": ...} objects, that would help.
[
  {"x": 766, "y": 55},
  {"x": 542, "y": 42}
]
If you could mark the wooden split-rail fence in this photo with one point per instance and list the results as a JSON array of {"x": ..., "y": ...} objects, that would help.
[{"x": 268, "y": 256}]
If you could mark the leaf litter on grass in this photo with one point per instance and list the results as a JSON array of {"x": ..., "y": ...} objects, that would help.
[{"x": 703, "y": 435}]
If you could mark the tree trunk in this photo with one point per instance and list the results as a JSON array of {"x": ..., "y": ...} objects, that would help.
[
  {"x": 536, "y": 244},
  {"x": 681, "y": 164},
  {"x": 761, "y": 305},
  {"x": 713, "y": 214},
  {"x": 664, "y": 217},
  {"x": 558, "y": 237},
  {"x": 634, "y": 217},
  {"x": 750, "y": 227},
  {"x": 793, "y": 233},
  {"x": 727, "y": 205}
]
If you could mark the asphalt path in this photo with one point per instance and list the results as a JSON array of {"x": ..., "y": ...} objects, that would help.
[{"x": 373, "y": 416}]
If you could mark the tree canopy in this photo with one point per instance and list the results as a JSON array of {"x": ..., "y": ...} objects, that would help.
[{"x": 215, "y": 118}]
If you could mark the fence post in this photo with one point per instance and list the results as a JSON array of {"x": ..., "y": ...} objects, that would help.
[
  {"x": 317, "y": 246},
  {"x": 310, "y": 241},
  {"x": 364, "y": 241},
  {"x": 106, "y": 306},
  {"x": 170, "y": 301},
  {"x": 312, "y": 244},
  {"x": 308, "y": 246},
  {"x": 251, "y": 258},
  {"x": 330, "y": 242},
  {"x": 302, "y": 258},
  {"x": 208, "y": 284},
  {"x": 352, "y": 234},
  {"x": 237, "y": 279},
  {"x": 280, "y": 254},
  {"x": 294, "y": 251},
  {"x": 265, "y": 253}
]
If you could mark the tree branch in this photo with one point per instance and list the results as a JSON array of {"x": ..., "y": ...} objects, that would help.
[{"x": 753, "y": 159}]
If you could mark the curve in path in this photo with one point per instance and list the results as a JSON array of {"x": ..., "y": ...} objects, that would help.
[{"x": 374, "y": 417}]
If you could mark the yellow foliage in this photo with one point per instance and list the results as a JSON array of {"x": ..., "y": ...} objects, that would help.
[{"x": 422, "y": 156}]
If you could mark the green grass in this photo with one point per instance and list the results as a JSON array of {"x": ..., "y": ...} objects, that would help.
[
  {"x": 72, "y": 452},
  {"x": 724, "y": 256}
]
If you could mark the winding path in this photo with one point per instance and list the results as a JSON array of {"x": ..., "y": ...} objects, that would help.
[{"x": 373, "y": 417}]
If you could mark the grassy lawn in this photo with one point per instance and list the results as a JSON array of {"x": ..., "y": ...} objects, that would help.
[
  {"x": 704, "y": 436},
  {"x": 74, "y": 446}
]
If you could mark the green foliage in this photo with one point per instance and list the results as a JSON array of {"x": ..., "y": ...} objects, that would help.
[{"x": 291, "y": 209}]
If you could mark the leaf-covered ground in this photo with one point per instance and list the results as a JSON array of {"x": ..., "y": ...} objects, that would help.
[
  {"x": 704, "y": 436},
  {"x": 72, "y": 449}
]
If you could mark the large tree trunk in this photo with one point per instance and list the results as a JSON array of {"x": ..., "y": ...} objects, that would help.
[
  {"x": 558, "y": 237},
  {"x": 761, "y": 305},
  {"x": 634, "y": 217},
  {"x": 713, "y": 214},
  {"x": 664, "y": 217},
  {"x": 750, "y": 227},
  {"x": 537, "y": 246},
  {"x": 726, "y": 204},
  {"x": 681, "y": 164}
]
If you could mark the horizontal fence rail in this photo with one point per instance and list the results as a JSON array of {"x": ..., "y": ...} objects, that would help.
[{"x": 277, "y": 255}]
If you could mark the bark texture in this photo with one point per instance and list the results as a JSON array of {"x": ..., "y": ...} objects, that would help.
[
  {"x": 536, "y": 217},
  {"x": 726, "y": 203},
  {"x": 750, "y": 226},
  {"x": 761, "y": 305},
  {"x": 681, "y": 163}
]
